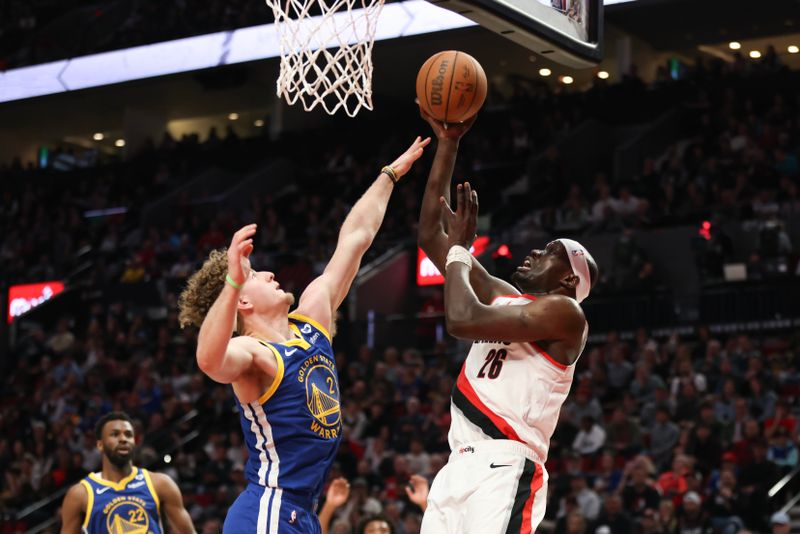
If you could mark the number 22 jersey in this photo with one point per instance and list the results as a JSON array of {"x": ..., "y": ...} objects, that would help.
[{"x": 508, "y": 390}]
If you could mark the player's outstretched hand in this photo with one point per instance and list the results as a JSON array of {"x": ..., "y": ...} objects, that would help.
[
  {"x": 448, "y": 130},
  {"x": 403, "y": 164},
  {"x": 338, "y": 492},
  {"x": 417, "y": 491},
  {"x": 461, "y": 225},
  {"x": 239, "y": 250}
]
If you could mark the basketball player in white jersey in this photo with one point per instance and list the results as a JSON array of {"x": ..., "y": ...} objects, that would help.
[{"x": 526, "y": 340}]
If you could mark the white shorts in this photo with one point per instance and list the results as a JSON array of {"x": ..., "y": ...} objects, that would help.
[{"x": 488, "y": 487}]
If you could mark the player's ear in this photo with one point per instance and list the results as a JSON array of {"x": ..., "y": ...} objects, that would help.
[
  {"x": 570, "y": 281},
  {"x": 244, "y": 304}
]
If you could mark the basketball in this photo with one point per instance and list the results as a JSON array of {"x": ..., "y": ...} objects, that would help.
[{"x": 451, "y": 86}]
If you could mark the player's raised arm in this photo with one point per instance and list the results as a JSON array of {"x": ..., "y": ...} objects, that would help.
[
  {"x": 551, "y": 317},
  {"x": 73, "y": 509},
  {"x": 171, "y": 499},
  {"x": 324, "y": 295},
  {"x": 432, "y": 232},
  {"x": 221, "y": 358}
]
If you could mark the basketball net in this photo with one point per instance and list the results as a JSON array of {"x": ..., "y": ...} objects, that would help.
[{"x": 326, "y": 59}]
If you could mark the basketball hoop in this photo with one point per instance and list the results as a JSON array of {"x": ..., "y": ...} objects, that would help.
[{"x": 326, "y": 59}]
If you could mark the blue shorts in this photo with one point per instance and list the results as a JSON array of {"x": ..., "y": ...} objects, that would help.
[{"x": 260, "y": 510}]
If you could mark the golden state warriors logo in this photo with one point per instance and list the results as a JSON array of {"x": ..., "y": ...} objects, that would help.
[
  {"x": 322, "y": 395},
  {"x": 127, "y": 516}
]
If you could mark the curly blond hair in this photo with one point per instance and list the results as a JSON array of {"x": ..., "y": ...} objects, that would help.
[{"x": 202, "y": 289}]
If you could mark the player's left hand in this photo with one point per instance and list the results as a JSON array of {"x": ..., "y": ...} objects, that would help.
[
  {"x": 417, "y": 490},
  {"x": 461, "y": 225},
  {"x": 338, "y": 492},
  {"x": 403, "y": 164}
]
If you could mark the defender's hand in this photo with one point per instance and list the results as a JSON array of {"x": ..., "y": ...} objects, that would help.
[
  {"x": 403, "y": 164},
  {"x": 238, "y": 252},
  {"x": 461, "y": 225}
]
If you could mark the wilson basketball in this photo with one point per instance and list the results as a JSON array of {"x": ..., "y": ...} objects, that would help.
[{"x": 451, "y": 86}]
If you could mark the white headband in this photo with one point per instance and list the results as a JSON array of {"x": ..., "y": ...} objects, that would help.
[{"x": 579, "y": 260}]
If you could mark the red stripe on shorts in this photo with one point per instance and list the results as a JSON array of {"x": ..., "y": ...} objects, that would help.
[{"x": 527, "y": 512}]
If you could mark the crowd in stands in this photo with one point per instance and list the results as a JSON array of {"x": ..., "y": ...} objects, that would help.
[
  {"x": 659, "y": 435},
  {"x": 676, "y": 434},
  {"x": 39, "y": 31}
]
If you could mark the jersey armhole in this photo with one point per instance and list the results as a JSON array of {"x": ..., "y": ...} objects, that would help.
[
  {"x": 276, "y": 381},
  {"x": 152, "y": 489},
  {"x": 89, "y": 503}
]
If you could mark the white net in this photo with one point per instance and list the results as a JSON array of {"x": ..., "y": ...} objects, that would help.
[{"x": 326, "y": 52}]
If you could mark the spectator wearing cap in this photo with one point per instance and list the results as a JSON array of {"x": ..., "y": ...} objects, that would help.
[
  {"x": 780, "y": 523},
  {"x": 692, "y": 519}
]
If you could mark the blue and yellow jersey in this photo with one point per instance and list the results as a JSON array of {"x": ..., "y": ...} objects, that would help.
[
  {"x": 129, "y": 506},
  {"x": 293, "y": 431}
]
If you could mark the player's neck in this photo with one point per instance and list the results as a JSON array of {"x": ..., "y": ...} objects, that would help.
[
  {"x": 275, "y": 328},
  {"x": 113, "y": 473}
]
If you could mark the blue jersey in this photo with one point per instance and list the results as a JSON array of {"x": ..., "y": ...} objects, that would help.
[
  {"x": 130, "y": 505},
  {"x": 293, "y": 431}
]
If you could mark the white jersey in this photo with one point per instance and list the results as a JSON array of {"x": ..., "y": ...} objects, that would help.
[{"x": 512, "y": 391}]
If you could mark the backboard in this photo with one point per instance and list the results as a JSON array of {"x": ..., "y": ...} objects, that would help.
[{"x": 569, "y": 32}]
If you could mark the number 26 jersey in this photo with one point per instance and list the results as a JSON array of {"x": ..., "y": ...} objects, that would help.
[{"x": 508, "y": 390}]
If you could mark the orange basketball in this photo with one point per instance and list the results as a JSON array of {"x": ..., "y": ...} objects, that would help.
[{"x": 451, "y": 86}]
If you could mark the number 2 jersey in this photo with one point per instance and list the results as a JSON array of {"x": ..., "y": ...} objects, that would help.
[
  {"x": 292, "y": 432},
  {"x": 508, "y": 391}
]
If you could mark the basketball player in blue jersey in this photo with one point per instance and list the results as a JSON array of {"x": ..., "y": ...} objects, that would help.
[
  {"x": 281, "y": 365},
  {"x": 122, "y": 498}
]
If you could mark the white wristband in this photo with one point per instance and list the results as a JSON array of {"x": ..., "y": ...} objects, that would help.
[{"x": 459, "y": 254}]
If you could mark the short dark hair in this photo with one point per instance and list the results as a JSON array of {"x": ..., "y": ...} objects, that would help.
[
  {"x": 110, "y": 416},
  {"x": 362, "y": 525}
]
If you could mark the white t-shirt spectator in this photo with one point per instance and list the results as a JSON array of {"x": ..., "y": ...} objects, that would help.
[{"x": 589, "y": 442}]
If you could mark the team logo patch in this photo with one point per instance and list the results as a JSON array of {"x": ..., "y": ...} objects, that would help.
[
  {"x": 322, "y": 395},
  {"x": 127, "y": 516}
]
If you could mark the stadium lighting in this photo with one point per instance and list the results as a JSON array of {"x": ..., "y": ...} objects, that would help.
[
  {"x": 119, "y": 143},
  {"x": 755, "y": 54},
  {"x": 734, "y": 45},
  {"x": 167, "y": 458},
  {"x": 233, "y": 116},
  {"x": 566, "y": 80},
  {"x": 259, "y": 123},
  {"x": 603, "y": 75},
  {"x": 545, "y": 72},
  {"x": 98, "y": 136},
  {"x": 793, "y": 49}
]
